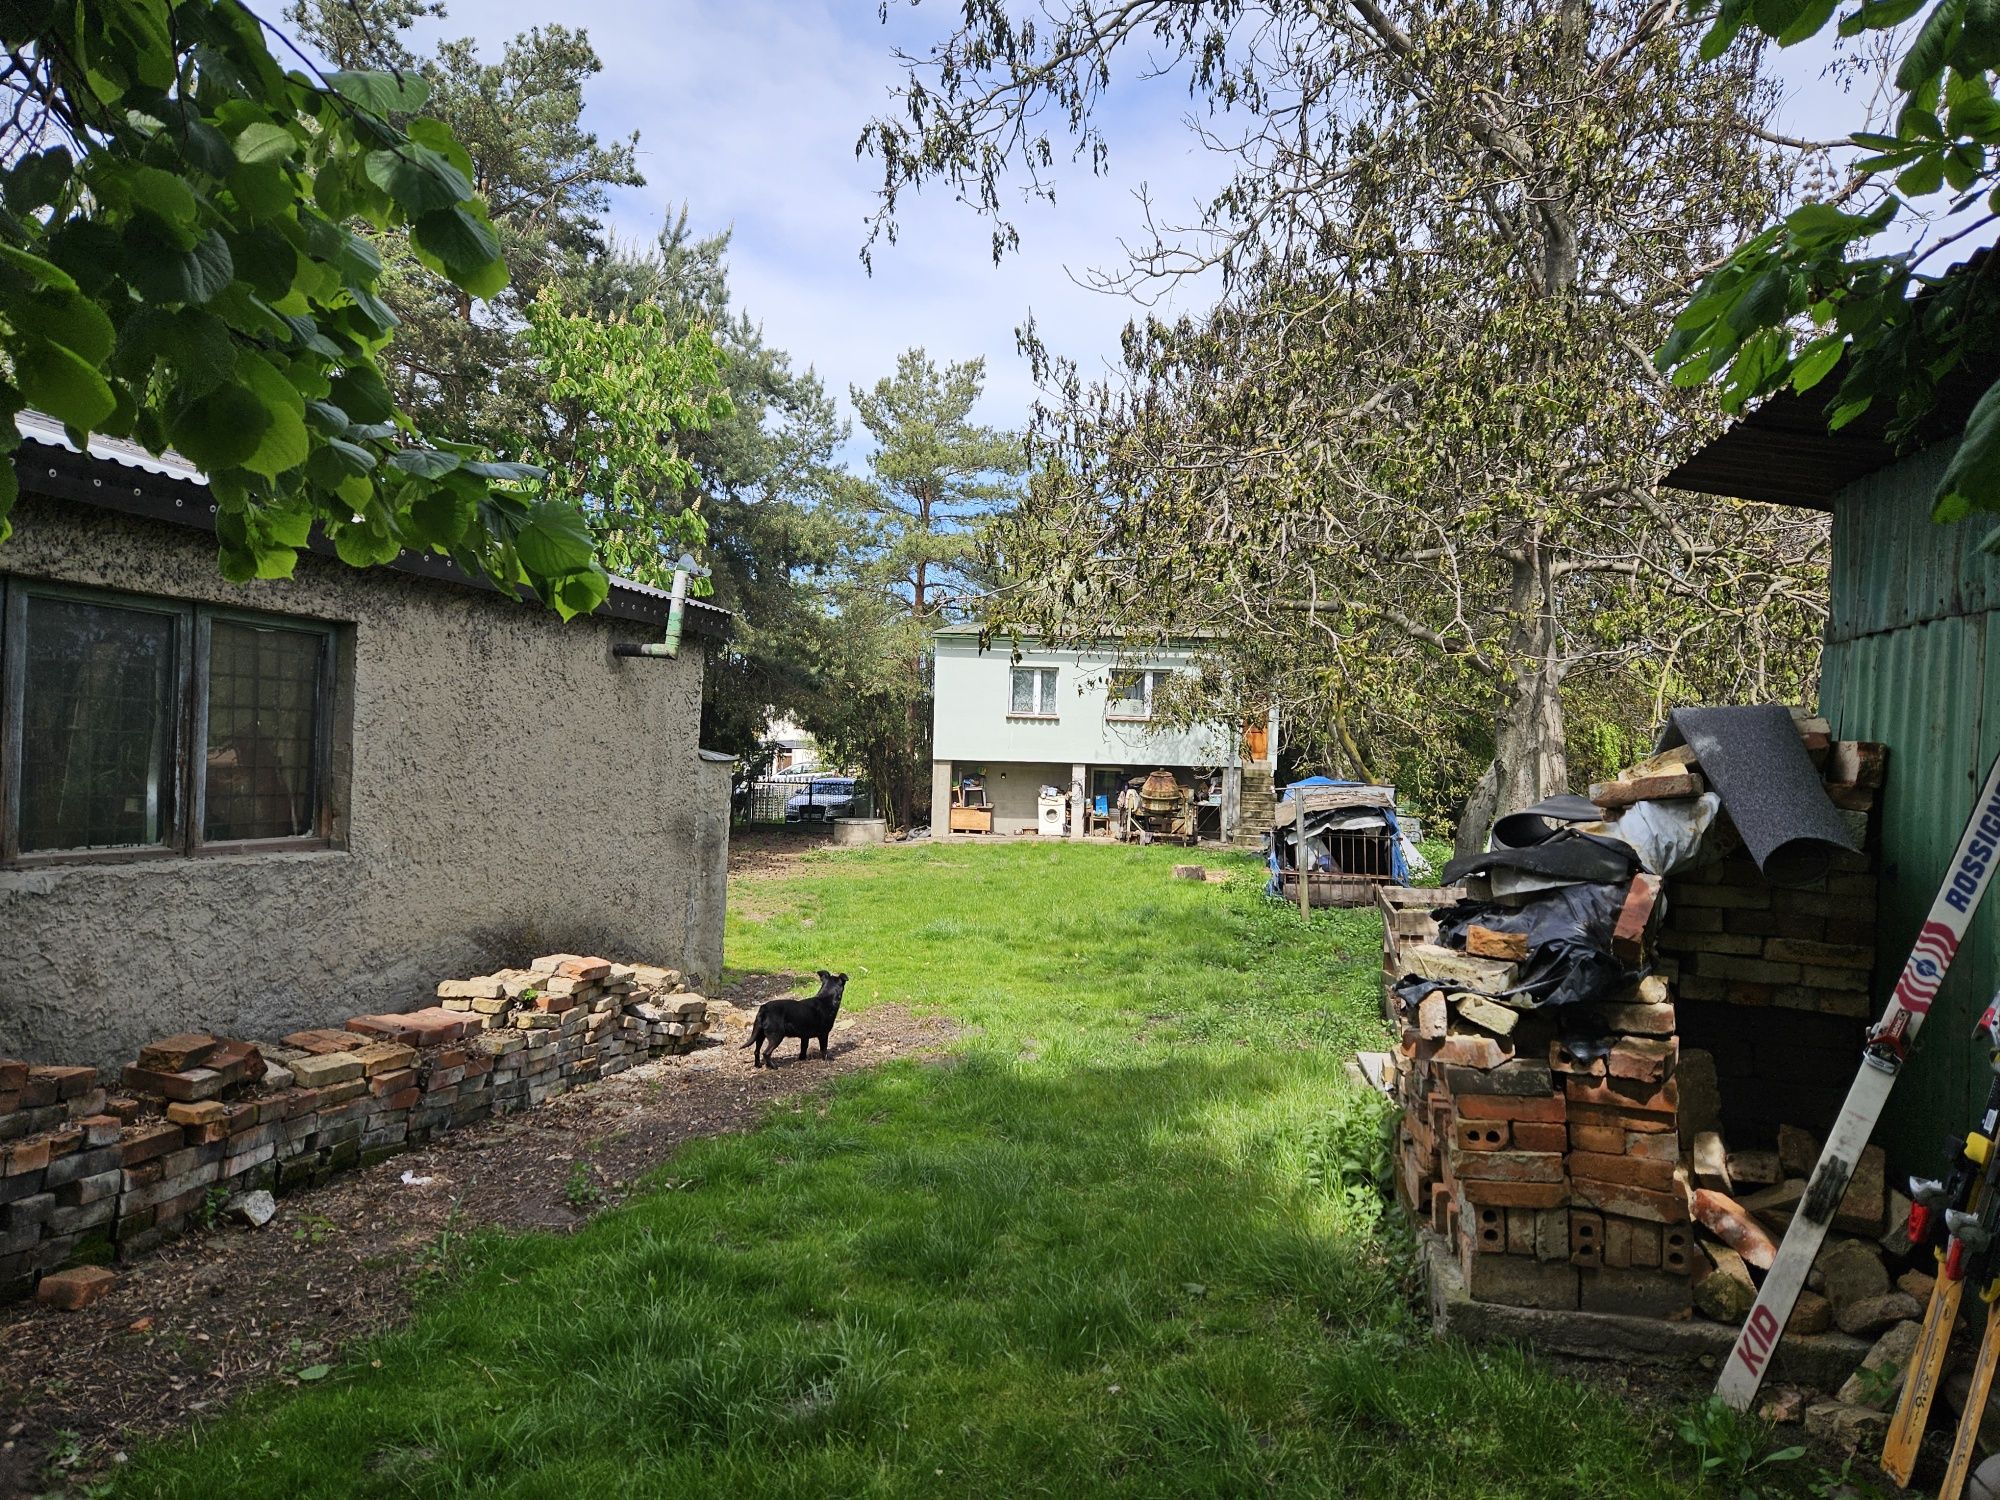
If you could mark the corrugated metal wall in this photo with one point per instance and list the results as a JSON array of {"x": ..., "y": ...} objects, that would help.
[{"x": 1907, "y": 663}]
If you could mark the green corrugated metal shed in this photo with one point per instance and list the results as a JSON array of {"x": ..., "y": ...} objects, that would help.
[{"x": 1912, "y": 659}]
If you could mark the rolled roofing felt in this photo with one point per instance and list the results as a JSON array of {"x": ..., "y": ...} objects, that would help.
[
  {"x": 1754, "y": 761},
  {"x": 1538, "y": 824}
]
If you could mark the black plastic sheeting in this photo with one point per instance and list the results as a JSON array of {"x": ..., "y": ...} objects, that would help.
[
  {"x": 1752, "y": 757},
  {"x": 1569, "y": 945},
  {"x": 1568, "y": 855},
  {"x": 1543, "y": 821}
]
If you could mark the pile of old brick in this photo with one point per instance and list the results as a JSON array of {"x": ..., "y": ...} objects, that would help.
[
  {"x": 198, "y": 1121},
  {"x": 1592, "y": 1174}
]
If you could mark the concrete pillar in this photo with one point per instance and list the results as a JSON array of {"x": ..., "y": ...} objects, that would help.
[
  {"x": 1079, "y": 816},
  {"x": 940, "y": 796}
]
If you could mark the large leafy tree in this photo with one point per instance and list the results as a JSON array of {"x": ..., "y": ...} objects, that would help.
[
  {"x": 912, "y": 538},
  {"x": 543, "y": 175},
  {"x": 1861, "y": 283},
  {"x": 760, "y": 472},
  {"x": 1405, "y": 470},
  {"x": 180, "y": 264}
]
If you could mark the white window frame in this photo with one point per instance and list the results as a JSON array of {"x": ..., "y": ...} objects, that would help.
[
  {"x": 1044, "y": 694},
  {"x": 1146, "y": 675}
]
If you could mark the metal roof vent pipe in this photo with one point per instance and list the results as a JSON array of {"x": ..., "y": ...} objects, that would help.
[{"x": 685, "y": 569}]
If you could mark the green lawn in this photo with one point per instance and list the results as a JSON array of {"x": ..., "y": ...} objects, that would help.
[{"x": 1115, "y": 1243}]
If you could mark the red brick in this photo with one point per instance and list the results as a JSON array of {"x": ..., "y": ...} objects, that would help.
[
  {"x": 1515, "y": 1194},
  {"x": 13, "y": 1075},
  {"x": 100, "y": 1130},
  {"x": 1642, "y": 1059},
  {"x": 1629, "y": 1202},
  {"x": 69, "y": 1082},
  {"x": 1628, "y": 935},
  {"x": 1586, "y": 1237},
  {"x": 175, "y": 1054},
  {"x": 1544, "y": 1107},
  {"x": 76, "y": 1288},
  {"x": 589, "y": 970},
  {"x": 1473, "y": 1052},
  {"x": 1619, "y": 1118},
  {"x": 200, "y": 1112},
  {"x": 322, "y": 1041},
  {"x": 1507, "y": 1166},
  {"x": 1539, "y": 1135},
  {"x": 1482, "y": 1135},
  {"x": 1608, "y": 1138},
  {"x": 1663, "y": 1146},
  {"x": 1617, "y": 1094},
  {"x": 30, "y": 1155},
  {"x": 144, "y": 1142},
  {"x": 1630, "y": 1171}
]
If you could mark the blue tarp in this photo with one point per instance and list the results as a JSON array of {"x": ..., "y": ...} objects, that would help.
[{"x": 1399, "y": 864}]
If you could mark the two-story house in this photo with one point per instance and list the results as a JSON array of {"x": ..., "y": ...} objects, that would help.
[{"x": 1078, "y": 721}]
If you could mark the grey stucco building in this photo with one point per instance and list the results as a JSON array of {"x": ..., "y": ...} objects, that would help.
[{"x": 251, "y": 808}]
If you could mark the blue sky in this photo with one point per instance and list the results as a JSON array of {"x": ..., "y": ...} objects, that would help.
[{"x": 748, "y": 110}]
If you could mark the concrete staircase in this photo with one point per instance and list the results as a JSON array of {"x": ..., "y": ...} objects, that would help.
[{"x": 1258, "y": 805}]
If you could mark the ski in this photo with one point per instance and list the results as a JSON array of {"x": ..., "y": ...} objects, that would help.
[
  {"x": 1965, "y": 882},
  {"x": 1941, "y": 1218},
  {"x": 1965, "y": 1444}
]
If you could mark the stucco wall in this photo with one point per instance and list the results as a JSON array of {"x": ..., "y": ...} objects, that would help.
[{"x": 514, "y": 790}]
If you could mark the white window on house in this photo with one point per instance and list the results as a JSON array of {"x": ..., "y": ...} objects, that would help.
[
  {"x": 133, "y": 726},
  {"x": 1131, "y": 694},
  {"x": 1032, "y": 693}
]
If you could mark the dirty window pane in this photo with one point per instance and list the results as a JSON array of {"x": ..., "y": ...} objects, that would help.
[
  {"x": 1128, "y": 696},
  {"x": 263, "y": 698},
  {"x": 1024, "y": 691},
  {"x": 96, "y": 726}
]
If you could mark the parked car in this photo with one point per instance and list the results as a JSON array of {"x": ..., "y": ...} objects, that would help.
[{"x": 825, "y": 797}]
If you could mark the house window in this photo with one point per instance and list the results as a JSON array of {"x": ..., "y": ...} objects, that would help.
[
  {"x": 137, "y": 726},
  {"x": 1033, "y": 693},
  {"x": 1130, "y": 695}
]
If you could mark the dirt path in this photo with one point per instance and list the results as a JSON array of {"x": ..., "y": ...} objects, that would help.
[{"x": 213, "y": 1315}]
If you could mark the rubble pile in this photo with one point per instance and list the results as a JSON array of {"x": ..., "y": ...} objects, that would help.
[
  {"x": 201, "y": 1121},
  {"x": 1558, "y": 1130}
]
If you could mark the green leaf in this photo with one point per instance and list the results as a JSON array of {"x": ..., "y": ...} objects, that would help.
[
  {"x": 221, "y": 428},
  {"x": 63, "y": 384},
  {"x": 1932, "y": 48},
  {"x": 315, "y": 1372},
  {"x": 505, "y": 472},
  {"x": 42, "y": 272},
  {"x": 423, "y": 463},
  {"x": 440, "y": 517},
  {"x": 285, "y": 443},
  {"x": 1923, "y": 176},
  {"x": 266, "y": 141},
  {"x": 1972, "y": 482},
  {"x": 382, "y": 94},
  {"x": 580, "y": 593},
  {"x": 463, "y": 247},
  {"x": 163, "y": 272},
  {"x": 419, "y": 179},
  {"x": 162, "y": 193},
  {"x": 37, "y": 180},
  {"x": 66, "y": 318},
  {"x": 1816, "y": 361},
  {"x": 554, "y": 542}
]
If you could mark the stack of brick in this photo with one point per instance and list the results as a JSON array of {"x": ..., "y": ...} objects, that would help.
[
  {"x": 1553, "y": 1176},
  {"x": 1561, "y": 1178},
  {"x": 84, "y": 1178}
]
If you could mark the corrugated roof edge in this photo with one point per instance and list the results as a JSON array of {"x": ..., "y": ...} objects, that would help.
[{"x": 169, "y": 488}]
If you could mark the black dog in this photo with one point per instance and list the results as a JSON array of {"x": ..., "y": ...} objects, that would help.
[{"x": 779, "y": 1020}]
